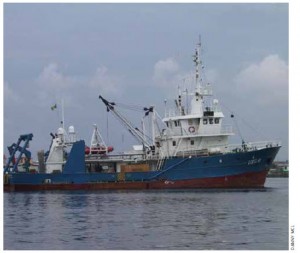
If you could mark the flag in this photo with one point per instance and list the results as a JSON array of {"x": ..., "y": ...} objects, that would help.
[{"x": 53, "y": 107}]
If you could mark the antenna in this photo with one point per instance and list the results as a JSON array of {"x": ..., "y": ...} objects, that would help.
[
  {"x": 62, "y": 114},
  {"x": 165, "y": 101}
]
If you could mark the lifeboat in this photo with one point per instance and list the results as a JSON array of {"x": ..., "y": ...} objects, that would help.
[{"x": 98, "y": 150}]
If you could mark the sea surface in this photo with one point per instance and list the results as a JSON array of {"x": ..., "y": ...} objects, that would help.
[{"x": 143, "y": 220}]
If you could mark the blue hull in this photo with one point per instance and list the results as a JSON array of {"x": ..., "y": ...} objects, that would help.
[
  {"x": 220, "y": 165},
  {"x": 182, "y": 172}
]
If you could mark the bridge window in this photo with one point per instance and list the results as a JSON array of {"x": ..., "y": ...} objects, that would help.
[
  {"x": 217, "y": 120},
  {"x": 204, "y": 121}
]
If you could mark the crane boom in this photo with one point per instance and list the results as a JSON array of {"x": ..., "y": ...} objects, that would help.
[{"x": 138, "y": 134}]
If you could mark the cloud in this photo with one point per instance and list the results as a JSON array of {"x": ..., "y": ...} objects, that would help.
[
  {"x": 53, "y": 85},
  {"x": 211, "y": 76},
  {"x": 266, "y": 81},
  {"x": 104, "y": 82},
  {"x": 52, "y": 78},
  {"x": 9, "y": 94},
  {"x": 164, "y": 72},
  {"x": 169, "y": 76}
]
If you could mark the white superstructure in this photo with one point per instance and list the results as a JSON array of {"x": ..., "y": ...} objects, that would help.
[
  {"x": 61, "y": 142},
  {"x": 198, "y": 129}
]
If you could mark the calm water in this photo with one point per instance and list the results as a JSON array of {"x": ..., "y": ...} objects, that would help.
[{"x": 149, "y": 219}]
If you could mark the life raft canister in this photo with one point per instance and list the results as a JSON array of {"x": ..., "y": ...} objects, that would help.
[{"x": 192, "y": 129}]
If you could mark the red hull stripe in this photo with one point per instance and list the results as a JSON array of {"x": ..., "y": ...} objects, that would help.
[{"x": 249, "y": 180}]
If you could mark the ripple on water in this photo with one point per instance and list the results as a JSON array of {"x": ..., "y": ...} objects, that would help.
[{"x": 136, "y": 220}]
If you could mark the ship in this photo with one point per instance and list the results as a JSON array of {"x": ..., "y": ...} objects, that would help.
[{"x": 188, "y": 148}]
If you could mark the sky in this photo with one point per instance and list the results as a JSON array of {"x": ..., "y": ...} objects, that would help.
[{"x": 139, "y": 54}]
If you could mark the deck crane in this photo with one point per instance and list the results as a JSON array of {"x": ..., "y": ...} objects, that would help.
[
  {"x": 137, "y": 133},
  {"x": 16, "y": 147}
]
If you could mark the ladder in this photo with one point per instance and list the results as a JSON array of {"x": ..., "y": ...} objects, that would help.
[{"x": 160, "y": 163}]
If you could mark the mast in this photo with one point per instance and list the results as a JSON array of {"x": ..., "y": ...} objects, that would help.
[
  {"x": 196, "y": 103},
  {"x": 97, "y": 140},
  {"x": 198, "y": 66},
  {"x": 65, "y": 135},
  {"x": 153, "y": 119},
  {"x": 202, "y": 89}
]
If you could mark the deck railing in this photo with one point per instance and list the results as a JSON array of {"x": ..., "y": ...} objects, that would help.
[
  {"x": 117, "y": 157},
  {"x": 229, "y": 148},
  {"x": 253, "y": 145}
]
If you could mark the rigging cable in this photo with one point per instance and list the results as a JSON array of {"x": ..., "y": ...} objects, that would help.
[
  {"x": 237, "y": 127},
  {"x": 245, "y": 122}
]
